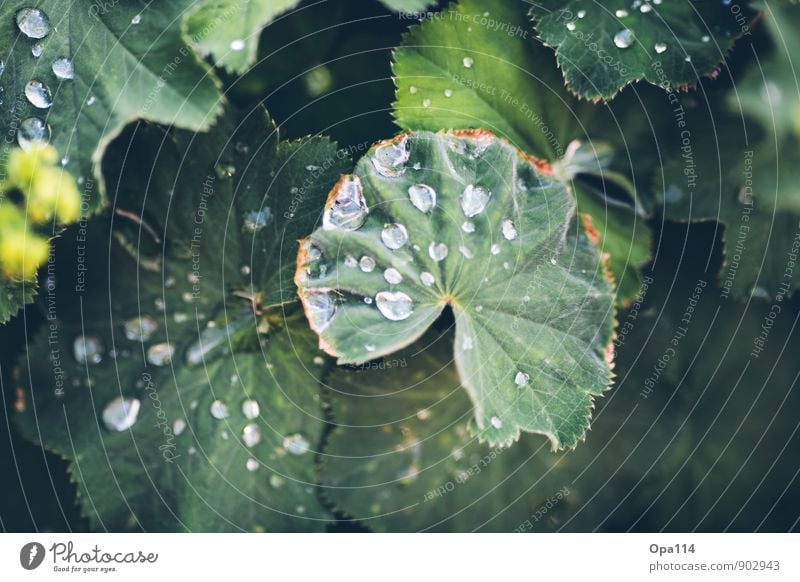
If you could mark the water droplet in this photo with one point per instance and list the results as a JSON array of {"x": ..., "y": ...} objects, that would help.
[
  {"x": 394, "y": 236},
  {"x": 571, "y": 26},
  {"x": 224, "y": 171},
  {"x": 466, "y": 343},
  {"x": 178, "y": 426},
  {"x": 553, "y": 260},
  {"x": 252, "y": 464},
  {"x": 621, "y": 13},
  {"x": 496, "y": 422},
  {"x": 509, "y": 230},
  {"x": 350, "y": 262},
  {"x": 319, "y": 360},
  {"x": 31, "y": 131},
  {"x": 624, "y": 38},
  {"x": 320, "y": 309},
  {"x": 256, "y": 220},
  {"x": 466, "y": 251},
  {"x": 581, "y": 13},
  {"x": 91, "y": 100},
  {"x": 33, "y": 23},
  {"x": 348, "y": 210},
  {"x": 38, "y": 94},
  {"x": 394, "y": 305},
  {"x": 368, "y": 300},
  {"x": 468, "y": 227},
  {"x": 412, "y": 89},
  {"x": 390, "y": 158},
  {"x": 276, "y": 481},
  {"x": 521, "y": 379},
  {"x": 251, "y": 435},
  {"x": 237, "y": 44},
  {"x": 219, "y": 410},
  {"x": 448, "y": 93},
  {"x": 423, "y": 197},
  {"x": 296, "y": 444},
  {"x": 370, "y": 347},
  {"x": 250, "y": 409},
  {"x": 705, "y": 38},
  {"x": 495, "y": 249},
  {"x": 245, "y": 270},
  {"x": 121, "y": 413},
  {"x": 438, "y": 251},
  {"x": 468, "y": 62},
  {"x": 37, "y": 50},
  {"x": 160, "y": 354},
  {"x": 392, "y": 276},
  {"x": 660, "y": 47},
  {"x": 427, "y": 279},
  {"x": 645, "y": 8},
  {"x": 140, "y": 329},
  {"x": 63, "y": 68},
  {"x": 426, "y": 102},
  {"x": 367, "y": 264},
  {"x": 688, "y": 58},
  {"x": 474, "y": 200},
  {"x": 88, "y": 349},
  {"x": 136, "y": 19}
]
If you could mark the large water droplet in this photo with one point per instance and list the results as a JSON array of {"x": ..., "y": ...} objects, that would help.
[
  {"x": 509, "y": 230},
  {"x": 63, "y": 68},
  {"x": 394, "y": 236},
  {"x": 251, "y": 464},
  {"x": 31, "y": 131},
  {"x": 390, "y": 158},
  {"x": 38, "y": 94},
  {"x": 427, "y": 279},
  {"x": 256, "y": 220},
  {"x": 121, "y": 413},
  {"x": 320, "y": 309},
  {"x": 296, "y": 444},
  {"x": 348, "y": 210},
  {"x": 140, "y": 329},
  {"x": 88, "y": 349},
  {"x": 33, "y": 23},
  {"x": 178, "y": 426},
  {"x": 468, "y": 227},
  {"x": 250, "y": 409},
  {"x": 423, "y": 197},
  {"x": 660, "y": 47},
  {"x": 367, "y": 264},
  {"x": 219, "y": 410},
  {"x": 394, "y": 305},
  {"x": 474, "y": 200},
  {"x": 392, "y": 276},
  {"x": 438, "y": 251},
  {"x": 251, "y": 434},
  {"x": 521, "y": 379},
  {"x": 160, "y": 354},
  {"x": 624, "y": 38}
]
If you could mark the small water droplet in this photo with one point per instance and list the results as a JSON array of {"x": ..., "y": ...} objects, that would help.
[
  {"x": 394, "y": 236},
  {"x": 296, "y": 444},
  {"x": 438, "y": 251},
  {"x": 250, "y": 409},
  {"x": 255, "y": 220},
  {"x": 645, "y": 8},
  {"x": 509, "y": 230},
  {"x": 621, "y": 13},
  {"x": 412, "y": 89},
  {"x": 251, "y": 435},
  {"x": 370, "y": 347},
  {"x": 276, "y": 481},
  {"x": 140, "y": 329},
  {"x": 466, "y": 251},
  {"x": 427, "y": 279},
  {"x": 38, "y": 94},
  {"x": 474, "y": 200},
  {"x": 394, "y": 305},
  {"x": 448, "y": 93},
  {"x": 121, "y": 413},
  {"x": 468, "y": 62},
  {"x": 136, "y": 19},
  {"x": 91, "y": 100},
  {"x": 624, "y": 38},
  {"x": 426, "y": 103},
  {"x": 390, "y": 158},
  {"x": 160, "y": 354},
  {"x": 392, "y": 276},
  {"x": 495, "y": 249},
  {"x": 350, "y": 261},
  {"x": 367, "y": 264},
  {"x": 468, "y": 227},
  {"x": 348, "y": 210},
  {"x": 705, "y": 38},
  {"x": 581, "y": 13},
  {"x": 688, "y": 58},
  {"x": 33, "y": 23},
  {"x": 423, "y": 197},
  {"x": 224, "y": 171},
  {"x": 571, "y": 26},
  {"x": 31, "y": 131},
  {"x": 320, "y": 309},
  {"x": 553, "y": 260},
  {"x": 660, "y": 47},
  {"x": 178, "y": 426},
  {"x": 252, "y": 464},
  {"x": 219, "y": 410},
  {"x": 368, "y": 300},
  {"x": 237, "y": 44},
  {"x": 63, "y": 68},
  {"x": 37, "y": 50},
  {"x": 521, "y": 379},
  {"x": 496, "y": 422},
  {"x": 88, "y": 349}
]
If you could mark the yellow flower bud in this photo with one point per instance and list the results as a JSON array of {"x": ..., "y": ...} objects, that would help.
[
  {"x": 11, "y": 217},
  {"x": 53, "y": 191},
  {"x": 21, "y": 254},
  {"x": 24, "y": 165}
]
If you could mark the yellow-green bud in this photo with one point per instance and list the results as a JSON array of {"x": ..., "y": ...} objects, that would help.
[
  {"x": 53, "y": 191},
  {"x": 24, "y": 165},
  {"x": 21, "y": 254}
]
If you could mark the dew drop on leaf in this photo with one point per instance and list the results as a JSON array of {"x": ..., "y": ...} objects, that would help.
[
  {"x": 438, "y": 251},
  {"x": 88, "y": 349},
  {"x": 160, "y": 354},
  {"x": 624, "y": 38},
  {"x": 252, "y": 464},
  {"x": 178, "y": 426},
  {"x": 367, "y": 264},
  {"x": 521, "y": 379},
  {"x": 33, "y": 23},
  {"x": 320, "y": 309},
  {"x": 394, "y": 305},
  {"x": 394, "y": 236},
  {"x": 423, "y": 197},
  {"x": 390, "y": 158},
  {"x": 31, "y": 131},
  {"x": 37, "y": 50},
  {"x": 474, "y": 200},
  {"x": 392, "y": 276},
  {"x": 38, "y": 94},
  {"x": 660, "y": 47},
  {"x": 468, "y": 62},
  {"x": 255, "y": 220},
  {"x": 468, "y": 227},
  {"x": 63, "y": 68},
  {"x": 496, "y": 422},
  {"x": 348, "y": 209},
  {"x": 250, "y": 409},
  {"x": 251, "y": 435},
  {"x": 219, "y": 410},
  {"x": 121, "y": 413},
  {"x": 509, "y": 230},
  {"x": 495, "y": 249},
  {"x": 427, "y": 279},
  {"x": 140, "y": 329},
  {"x": 296, "y": 444}
]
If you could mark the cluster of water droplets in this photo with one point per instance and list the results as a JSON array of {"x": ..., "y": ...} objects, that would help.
[{"x": 35, "y": 25}]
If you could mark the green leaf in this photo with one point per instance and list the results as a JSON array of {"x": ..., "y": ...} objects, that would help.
[
  {"x": 665, "y": 449},
  {"x": 203, "y": 271},
  {"x": 229, "y": 29},
  {"x": 407, "y": 5},
  {"x": 500, "y": 246},
  {"x": 512, "y": 87},
  {"x": 603, "y": 47},
  {"x": 14, "y": 296},
  {"x": 129, "y": 63}
]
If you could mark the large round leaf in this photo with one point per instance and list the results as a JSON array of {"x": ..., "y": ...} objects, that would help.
[{"x": 464, "y": 220}]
